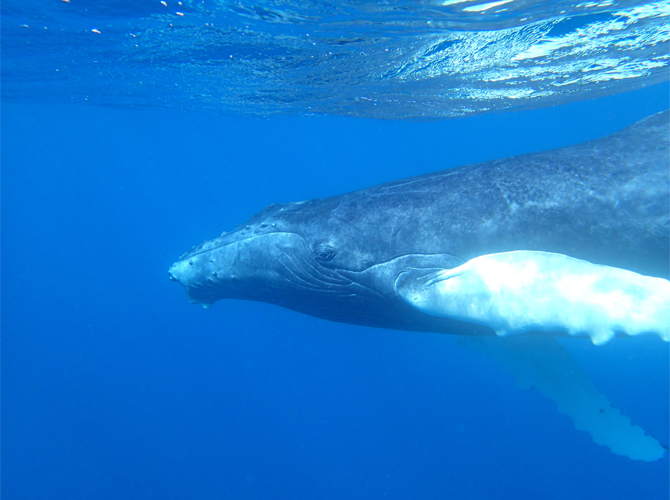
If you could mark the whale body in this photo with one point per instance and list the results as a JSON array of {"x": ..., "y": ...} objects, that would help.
[{"x": 349, "y": 258}]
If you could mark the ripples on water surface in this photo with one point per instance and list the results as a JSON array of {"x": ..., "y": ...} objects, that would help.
[{"x": 403, "y": 59}]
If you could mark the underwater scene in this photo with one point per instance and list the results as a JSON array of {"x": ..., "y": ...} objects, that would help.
[{"x": 335, "y": 249}]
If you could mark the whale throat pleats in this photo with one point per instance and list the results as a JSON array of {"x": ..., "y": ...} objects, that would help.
[
  {"x": 542, "y": 363},
  {"x": 525, "y": 291}
]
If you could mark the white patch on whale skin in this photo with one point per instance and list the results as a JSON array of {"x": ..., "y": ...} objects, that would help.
[{"x": 517, "y": 292}]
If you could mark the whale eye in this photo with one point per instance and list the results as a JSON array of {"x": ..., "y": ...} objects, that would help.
[{"x": 323, "y": 252}]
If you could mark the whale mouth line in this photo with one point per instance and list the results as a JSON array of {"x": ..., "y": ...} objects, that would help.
[{"x": 199, "y": 250}]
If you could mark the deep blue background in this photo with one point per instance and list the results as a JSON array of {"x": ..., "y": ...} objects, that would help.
[{"x": 114, "y": 386}]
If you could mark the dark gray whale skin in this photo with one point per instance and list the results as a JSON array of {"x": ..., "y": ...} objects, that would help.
[{"x": 606, "y": 201}]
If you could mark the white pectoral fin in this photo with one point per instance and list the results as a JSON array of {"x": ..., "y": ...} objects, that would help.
[
  {"x": 524, "y": 291},
  {"x": 542, "y": 363}
]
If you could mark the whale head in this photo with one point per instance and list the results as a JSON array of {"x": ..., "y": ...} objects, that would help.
[
  {"x": 290, "y": 255},
  {"x": 304, "y": 256}
]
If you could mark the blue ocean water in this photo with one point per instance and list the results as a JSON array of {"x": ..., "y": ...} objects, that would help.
[{"x": 114, "y": 386}]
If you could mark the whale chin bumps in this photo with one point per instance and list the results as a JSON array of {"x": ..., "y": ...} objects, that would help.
[{"x": 525, "y": 291}]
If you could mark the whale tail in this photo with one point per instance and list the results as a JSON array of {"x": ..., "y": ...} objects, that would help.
[{"x": 542, "y": 363}]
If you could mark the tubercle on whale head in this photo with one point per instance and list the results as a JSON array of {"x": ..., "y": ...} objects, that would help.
[
  {"x": 206, "y": 269},
  {"x": 241, "y": 232},
  {"x": 264, "y": 222},
  {"x": 257, "y": 261},
  {"x": 289, "y": 255},
  {"x": 244, "y": 252}
]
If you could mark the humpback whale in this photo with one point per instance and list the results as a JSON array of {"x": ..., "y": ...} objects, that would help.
[{"x": 509, "y": 254}]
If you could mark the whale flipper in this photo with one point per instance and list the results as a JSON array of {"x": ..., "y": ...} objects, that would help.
[
  {"x": 524, "y": 291},
  {"x": 542, "y": 363}
]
